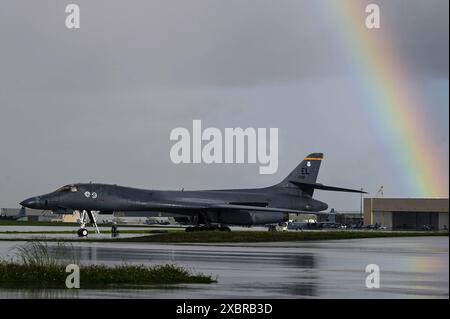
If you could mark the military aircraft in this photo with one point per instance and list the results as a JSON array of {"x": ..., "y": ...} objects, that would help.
[{"x": 210, "y": 209}]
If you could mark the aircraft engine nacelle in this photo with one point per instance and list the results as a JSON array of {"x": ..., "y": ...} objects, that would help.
[
  {"x": 247, "y": 218},
  {"x": 262, "y": 218}
]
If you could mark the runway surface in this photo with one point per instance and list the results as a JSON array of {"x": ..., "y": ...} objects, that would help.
[
  {"x": 34, "y": 232},
  {"x": 411, "y": 267}
]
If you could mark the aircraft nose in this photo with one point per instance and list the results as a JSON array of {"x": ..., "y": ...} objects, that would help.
[{"x": 32, "y": 202}]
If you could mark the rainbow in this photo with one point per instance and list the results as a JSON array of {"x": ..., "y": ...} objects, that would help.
[{"x": 397, "y": 111}]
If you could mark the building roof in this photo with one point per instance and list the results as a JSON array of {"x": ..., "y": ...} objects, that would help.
[{"x": 28, "y": 212}]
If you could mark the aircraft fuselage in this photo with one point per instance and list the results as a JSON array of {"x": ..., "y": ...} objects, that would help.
[{"x": 109, "y": 198}]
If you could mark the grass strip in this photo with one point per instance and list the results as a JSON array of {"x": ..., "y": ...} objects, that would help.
[
  {"x": 240, "y": 236},
  {"x": 15, "y": 275},
  {"x": 38, "y": 265},
  {"x": 257, "y": 236}
]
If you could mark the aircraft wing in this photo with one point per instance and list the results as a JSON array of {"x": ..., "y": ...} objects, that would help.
[
  {"x": 256, "y": 208},
  {"x": 326, "y": 187},
  {"x": 189, "y": 209}
]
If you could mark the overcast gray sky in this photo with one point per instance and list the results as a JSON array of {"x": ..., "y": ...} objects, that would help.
[{"x": 98, "y": 103}]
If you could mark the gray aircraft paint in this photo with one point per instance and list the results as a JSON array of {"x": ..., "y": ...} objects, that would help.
[{"x": 255, "y": 206}]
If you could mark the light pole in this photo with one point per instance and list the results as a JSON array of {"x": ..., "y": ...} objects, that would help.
[{"x": 361, "y": 206}]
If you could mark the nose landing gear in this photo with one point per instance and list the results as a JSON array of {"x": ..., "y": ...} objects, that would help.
[{"x": 82, "y": 231}]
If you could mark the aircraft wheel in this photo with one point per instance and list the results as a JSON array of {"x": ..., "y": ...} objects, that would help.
[
  {"x": 82, "y": 232},
  {"x": 225, "y": 228},
  {"x": 213, "y": 228},
  {"x": 191, "y": 229}
]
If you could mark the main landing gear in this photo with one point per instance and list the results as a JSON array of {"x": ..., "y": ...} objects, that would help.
[
  {"x": 84, "y": 215},
  {"x": 202, "y": 223},
  {"x": 207, "y": 228}
]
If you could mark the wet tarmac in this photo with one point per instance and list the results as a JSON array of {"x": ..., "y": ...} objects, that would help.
[
  {"x": 7, "y": 228},
  {"x": 410, "y": 267},
  {"x": 62, "y": 232}
]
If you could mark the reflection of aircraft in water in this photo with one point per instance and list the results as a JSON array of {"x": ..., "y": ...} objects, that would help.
[{"x": 212, "y": 209}]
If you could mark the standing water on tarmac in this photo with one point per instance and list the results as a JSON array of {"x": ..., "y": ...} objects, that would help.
[{"x": 410, "y": 267}]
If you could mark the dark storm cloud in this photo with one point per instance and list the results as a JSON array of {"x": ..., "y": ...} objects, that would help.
[
  {"x": 127, "y": 44},
  {"x": 419, "y": 29}
]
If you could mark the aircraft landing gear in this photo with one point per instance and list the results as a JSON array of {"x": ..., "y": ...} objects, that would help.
[
  {"x": 203, "y": 224},
  {"x": 84, "y": 215},
  {"x": 207, "y": 228},
  {"x": 82, "y": 232}
]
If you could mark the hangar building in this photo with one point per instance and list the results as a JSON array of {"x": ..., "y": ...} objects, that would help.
[
  {"x": 407, "y": 213},
  {"x": 28, "y": 214}
]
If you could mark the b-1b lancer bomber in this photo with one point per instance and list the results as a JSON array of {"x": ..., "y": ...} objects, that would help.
[{"x": 210, "y": 209}]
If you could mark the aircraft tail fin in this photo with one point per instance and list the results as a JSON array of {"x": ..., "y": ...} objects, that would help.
[
  {"x": 304, "y": 176},
  {"x": 306, "y": 171}
]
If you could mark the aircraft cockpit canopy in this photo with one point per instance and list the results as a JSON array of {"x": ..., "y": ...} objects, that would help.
[{"x": 68, "y": 188}]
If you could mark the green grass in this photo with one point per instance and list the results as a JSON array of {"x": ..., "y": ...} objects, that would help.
[
  {"x": 34, "y": 266},
  {"x": 260, "y": 236},
  {"x": 15, "y": 275},
  {"x": 179, "y": 236}
]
